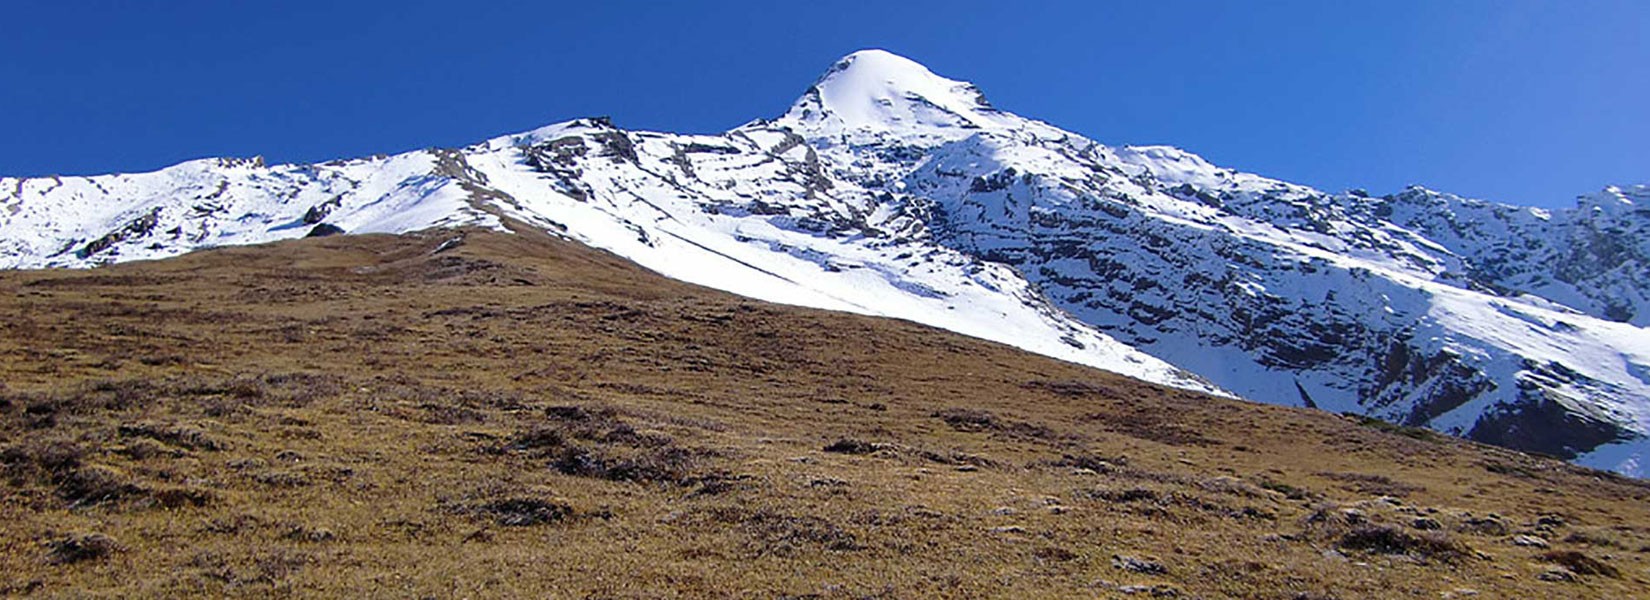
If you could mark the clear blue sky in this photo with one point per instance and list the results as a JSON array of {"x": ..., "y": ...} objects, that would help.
[{"x": 1513, "y": 100}]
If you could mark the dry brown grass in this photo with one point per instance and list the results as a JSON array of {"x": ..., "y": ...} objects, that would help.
[{"x": 356, "y": 416}]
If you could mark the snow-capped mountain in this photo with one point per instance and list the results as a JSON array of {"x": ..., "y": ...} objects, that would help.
[{"x": 889, "y": 190}]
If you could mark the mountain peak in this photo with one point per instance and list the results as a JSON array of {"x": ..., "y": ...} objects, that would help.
[
  {"x": 882, "y": 66},
  {"x": 872, "y": 91}
]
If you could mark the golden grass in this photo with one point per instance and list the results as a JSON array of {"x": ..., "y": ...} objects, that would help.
[{"x": 523, "y": 417}]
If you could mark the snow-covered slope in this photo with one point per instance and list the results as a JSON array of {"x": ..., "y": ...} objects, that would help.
[
  {"x": 748, "y": 212},
  {"x": 889, "y": 190},
  {"x": 88, "y": 221}
]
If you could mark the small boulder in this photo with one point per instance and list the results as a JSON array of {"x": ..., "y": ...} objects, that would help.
[
  {"x": 1134, "y": 564},
  {"x": 324, "y": 230},
  {"x": 1488, "y": 525},
  {"x": 851, "y": 446},
  {"x": 1557, "y": 574},
  {"x": 1153, "y": 591}
]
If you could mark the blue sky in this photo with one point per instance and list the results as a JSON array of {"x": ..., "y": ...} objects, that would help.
[{"x": 1513, "y": 100}]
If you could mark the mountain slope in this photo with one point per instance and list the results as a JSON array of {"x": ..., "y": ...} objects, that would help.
[
  {"x": 1272, "y": 290},
  {"x": 761, "y": 232},
  {"x": 888, "y": 190},
  {"x": 466, "y": 413}
]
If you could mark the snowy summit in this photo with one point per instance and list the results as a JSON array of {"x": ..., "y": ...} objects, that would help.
[{"x": 875, "y": 91}]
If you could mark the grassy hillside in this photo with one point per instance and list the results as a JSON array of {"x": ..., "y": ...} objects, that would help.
[{"x": 376, "y": 416}]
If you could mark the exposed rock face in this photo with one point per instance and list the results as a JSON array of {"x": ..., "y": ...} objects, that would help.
[
  {"x": 138, "y": 227},
  {"x": 324, "y": 230},
  {"x": 886, "y": 189}
]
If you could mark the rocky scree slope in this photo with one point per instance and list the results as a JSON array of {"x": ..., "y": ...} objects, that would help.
[{"x": 889, "y": 190}]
